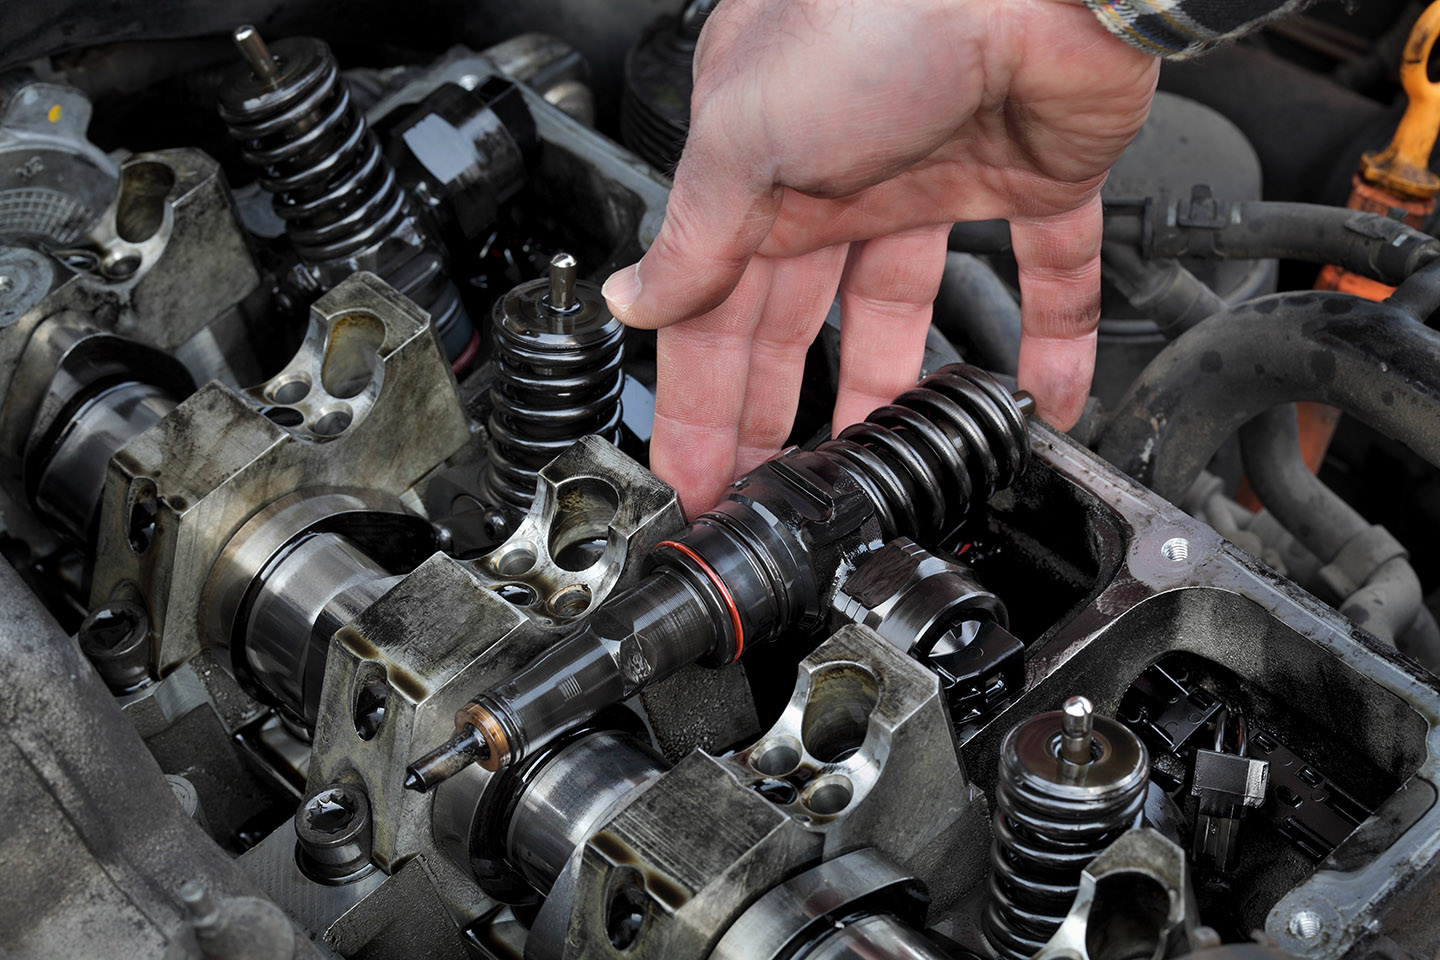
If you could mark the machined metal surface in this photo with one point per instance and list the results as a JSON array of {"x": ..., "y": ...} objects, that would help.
[
  {"x": 1135, "y": 899},
  {"x": 285, "y": 588},
  {"x": 219, "y": 458},
  {"x": 1213, "y": 600},
  {"x": 852, "y": 888},
  {"x": 562, "y": 806}
]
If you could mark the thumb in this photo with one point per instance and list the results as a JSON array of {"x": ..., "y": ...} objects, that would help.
[{"x": 720, "y": 209}]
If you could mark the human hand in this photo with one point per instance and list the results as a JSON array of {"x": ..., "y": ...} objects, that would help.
[{"x": 832, "y": 144}]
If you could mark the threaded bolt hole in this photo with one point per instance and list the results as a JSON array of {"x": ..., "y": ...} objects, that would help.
[
  {"x": 1305, "y": 924},
  {"x": 570, "y": 601},
  {"x": 520, "y": 594},
  {"x": 291, "y": 391},
  {"x": 1176, "y": 549}
]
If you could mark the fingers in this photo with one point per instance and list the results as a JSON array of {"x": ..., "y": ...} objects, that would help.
[
  {"x": 702, "y": 367},
  {"x": 720, "y": 208},
  {"x": 1059, "y": 261},
  {"x": 937, "y": 189},
  {"x": 886, "y": 295},
  {"x": 801, "y": 292}
]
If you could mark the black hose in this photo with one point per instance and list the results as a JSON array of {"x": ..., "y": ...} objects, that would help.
[
  {"x": 1389, "y": 600},
  {"x": 1365, "y": 243},
  {"x": 1372, "y": 360},
  {"x": 981, "y": 236},
  {"x": 1162, "y": 290},
  {"x": 1208, "y": 228},
  {"x": 1307, "y": 131},
  {"x": 1304, "y": 505},
  {"x": 977, "y": 313}
]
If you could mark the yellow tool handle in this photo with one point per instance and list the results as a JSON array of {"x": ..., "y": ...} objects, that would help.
[{"x": 1404, "y": 166}]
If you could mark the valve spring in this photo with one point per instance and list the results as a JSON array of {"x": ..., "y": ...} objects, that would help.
[
  {"x": 958, "y": 435},
  {"x": 557, "y": 379},
  {"x": 301, "y": 131},
  {"x": 1051, "y": 819}
]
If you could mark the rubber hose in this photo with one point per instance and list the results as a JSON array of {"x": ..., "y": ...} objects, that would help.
[
  {"x": 977, "y": 313},
  {"x": 1372, "y": 360}
]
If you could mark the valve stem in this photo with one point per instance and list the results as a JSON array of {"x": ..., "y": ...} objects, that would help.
[
  {"x": 446, "y": 760},
  {"x": 562, "y": 283},
  {"x": 1077, "y": 725},
  {"x": 252, "y": 47}
]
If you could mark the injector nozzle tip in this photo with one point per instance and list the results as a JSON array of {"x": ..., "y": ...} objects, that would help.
[{"x": 446, "y": 760}]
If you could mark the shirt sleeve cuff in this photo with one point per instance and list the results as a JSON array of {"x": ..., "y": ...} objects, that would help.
[{"x": 1177, "y": 29}]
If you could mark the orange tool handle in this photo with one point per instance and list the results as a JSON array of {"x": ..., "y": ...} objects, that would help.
[{"x": 1403, "y": 167}]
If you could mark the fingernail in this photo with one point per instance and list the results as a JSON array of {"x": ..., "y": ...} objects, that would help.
[{"x": 622, "y": 289}]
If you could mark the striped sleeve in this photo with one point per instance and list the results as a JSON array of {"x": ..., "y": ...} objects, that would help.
[{"x": 1182, "y": 28}]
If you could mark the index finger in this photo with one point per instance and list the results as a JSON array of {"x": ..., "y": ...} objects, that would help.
[
  {"x": 702, "y": 367},
  {"x": 723, "y": 202}
]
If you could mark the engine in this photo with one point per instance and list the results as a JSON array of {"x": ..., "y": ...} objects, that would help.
[{"x": 343, "y": 617}]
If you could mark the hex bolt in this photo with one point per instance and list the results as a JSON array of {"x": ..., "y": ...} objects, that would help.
[
  {"x": 562, "y": 283},
  {"x": 1077, "y": 723},
  {"x": 332, "y": 827}
]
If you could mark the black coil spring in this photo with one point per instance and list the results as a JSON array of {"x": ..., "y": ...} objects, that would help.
[
  {"x": 1044, "y": 838},
  {"x": 548, "y": 393},
  {"x": 956, "y": 436},
  {"x": 333, "y": 187},
  {"x": 655, "y": 106}
]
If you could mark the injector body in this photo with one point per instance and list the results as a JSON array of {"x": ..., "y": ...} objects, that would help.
[{"x": 765, "y": 560}]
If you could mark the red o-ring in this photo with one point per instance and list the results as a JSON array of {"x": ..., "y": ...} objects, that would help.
[
  {"x": 719, "y": 585},
  {"x": 467, "y": 354}
]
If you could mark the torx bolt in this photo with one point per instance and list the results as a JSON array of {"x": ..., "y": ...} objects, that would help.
[
  {"x": 562, "y": 282},
  {"x": 252, "y": 47},
  {"x": 1076, "y": 725}
]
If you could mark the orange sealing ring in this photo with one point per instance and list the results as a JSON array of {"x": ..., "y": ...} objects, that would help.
[
  {"x": 720, "y": 586},
  {"x": 490, "y": 730}
]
